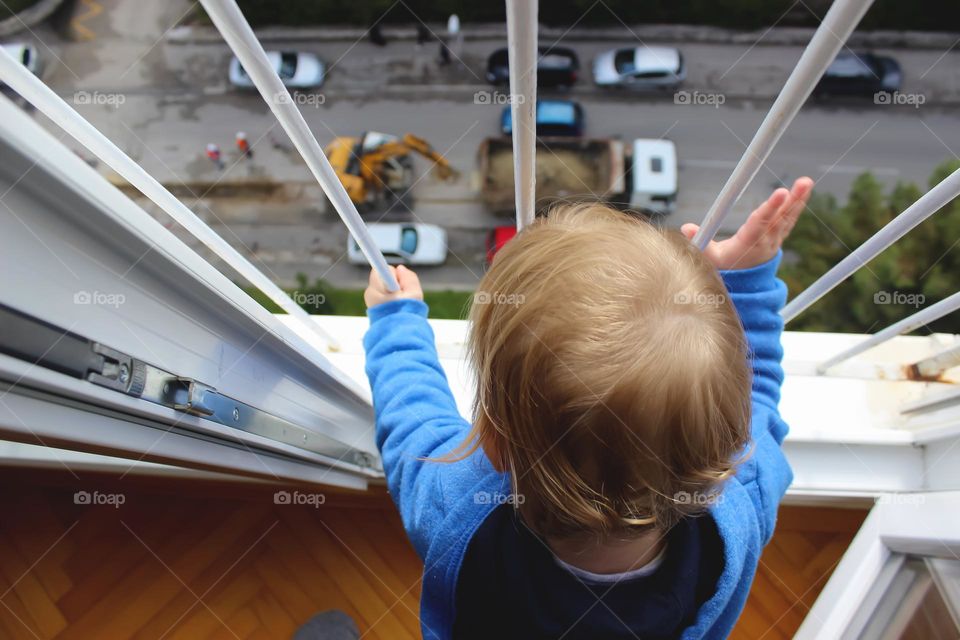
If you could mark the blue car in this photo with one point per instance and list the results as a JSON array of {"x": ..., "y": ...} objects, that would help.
[{"x": 554, "y": 118}]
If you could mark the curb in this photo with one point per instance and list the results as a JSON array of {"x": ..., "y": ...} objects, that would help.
[
  {"x": 777, "y": 36},
  {"x": 29, "y": 17}
]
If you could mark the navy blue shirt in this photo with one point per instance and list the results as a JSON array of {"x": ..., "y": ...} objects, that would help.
[{"x": 510, "y": 586}]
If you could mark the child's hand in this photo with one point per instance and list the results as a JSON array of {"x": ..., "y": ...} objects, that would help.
[
  {"x": 760, "y": 237},
  {"x": 377, "y": 293}
]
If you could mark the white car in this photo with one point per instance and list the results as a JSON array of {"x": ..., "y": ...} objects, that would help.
[
  {"x": 26, "y": 54},
  {"x": 297, "y": 70},
  {"x": 640, "y": 67},
  {"x": 404, "y": 243},
  {"x": 653, "y": 184}
]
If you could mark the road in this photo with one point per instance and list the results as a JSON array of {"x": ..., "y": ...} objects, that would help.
[{"x": 162, "y": 102}]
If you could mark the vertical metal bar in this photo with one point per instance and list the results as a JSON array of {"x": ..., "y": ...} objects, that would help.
[
  {"x": 229, "y": 20},
  {"x": 522, "y": 48},
  {"x": 911, "y": 323},
  {"x": 34, "y": 91},
  {"x": 836, "y": 27},
  {"x": 928, "y": 204}
]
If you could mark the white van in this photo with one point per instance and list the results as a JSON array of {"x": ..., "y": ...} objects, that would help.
[{"x": 653, "y": 184}]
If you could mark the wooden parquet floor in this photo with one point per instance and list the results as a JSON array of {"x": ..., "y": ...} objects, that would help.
[{"x": 196, "y": 560}]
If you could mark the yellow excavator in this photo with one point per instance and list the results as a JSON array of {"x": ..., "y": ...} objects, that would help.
[{"x": 377, "y": 167}]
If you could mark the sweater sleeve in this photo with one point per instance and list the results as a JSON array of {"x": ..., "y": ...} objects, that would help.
[
  {"x": 758, "y": 296},
  {"x": 416, "y": 415}
]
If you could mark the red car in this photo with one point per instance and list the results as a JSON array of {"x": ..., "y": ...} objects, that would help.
[{"x": 498, "y": 237}]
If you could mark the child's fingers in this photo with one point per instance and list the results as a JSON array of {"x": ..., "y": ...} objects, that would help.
[
  {"x": 377, "y": 283},
  {"x": 799, "y": 196},
  {"x": 763, "y": 217}
]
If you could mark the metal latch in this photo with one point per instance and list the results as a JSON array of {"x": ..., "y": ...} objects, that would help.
[
  {"x": 118, "y": 371},
  {"x": 186, "y": 394}
]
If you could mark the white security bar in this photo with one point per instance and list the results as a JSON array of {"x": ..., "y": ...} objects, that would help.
[
  {"x": 34, "y": 91},
  {"x": 936, "y": 364},
  {"x": 229, "y": 20},
  {"x": 836, "y": 27},
  {"x": 911, "y": 323},
  {"x": 522, "y": 48},
  {"x": 928, "y": 204}
]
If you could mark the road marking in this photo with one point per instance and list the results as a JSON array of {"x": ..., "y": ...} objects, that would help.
[{"x": 93, "y": 10}]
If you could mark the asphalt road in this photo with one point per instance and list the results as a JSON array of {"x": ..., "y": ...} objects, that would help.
[{"x": 163, "y": 102}]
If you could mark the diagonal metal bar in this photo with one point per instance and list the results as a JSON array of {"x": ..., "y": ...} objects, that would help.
[
  {"x": 828, "y": 39},
  {"x": 235, "y": 29},
  {"x": 908, "y": 324},
  {"x": 34, "y": 91},
  {"x": 928, "y": 204}
]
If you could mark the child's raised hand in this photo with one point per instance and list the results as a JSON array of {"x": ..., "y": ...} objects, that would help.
[
  {"x": 377, "y": 293},
  {"x": 760, "y": 237}
]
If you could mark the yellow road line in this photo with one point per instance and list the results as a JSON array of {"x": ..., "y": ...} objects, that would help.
[{"x": 93, "y": 9}]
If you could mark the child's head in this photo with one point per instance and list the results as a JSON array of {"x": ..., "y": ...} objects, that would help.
[{"x": 613, "y": 380}]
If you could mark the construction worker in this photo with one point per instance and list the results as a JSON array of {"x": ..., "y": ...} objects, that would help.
[
  {"x": 243, "y": 146},
  {"x": 213, "y": 152}
]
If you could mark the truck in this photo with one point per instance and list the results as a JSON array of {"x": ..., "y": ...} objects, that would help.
[
  {"x": 653, "y": 176},
  {"x": 567, "y": 168}
]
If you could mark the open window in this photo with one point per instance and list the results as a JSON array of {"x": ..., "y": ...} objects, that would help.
[
  {"x": 119, "y": 339},
  {"x": 900, "y": 578}
]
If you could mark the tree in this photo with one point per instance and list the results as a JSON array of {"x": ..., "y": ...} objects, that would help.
[{"x": 920, "y": 269}]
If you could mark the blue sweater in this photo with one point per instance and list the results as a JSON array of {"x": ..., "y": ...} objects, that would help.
[{"x": 416, "y": 418}]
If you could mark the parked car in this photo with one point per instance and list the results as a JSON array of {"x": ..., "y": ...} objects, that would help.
[
  {"x": 498, "y": 237},
  {"x": 26, "y": 53},
  {"x": 556, "y": 67},
  {"x": 297, "y": 70},
  {"x": 554, "y": 118},
  {"x": 640, "y": 68},
  {"x": 653, "y": 176},
  {"x": 404, "y": 243},
  {"x": 859, "y": 74}
]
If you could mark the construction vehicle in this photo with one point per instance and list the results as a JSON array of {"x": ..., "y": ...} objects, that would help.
[
  {"x": 566, "y": 168},
  {"x": 376, "y": 168}
]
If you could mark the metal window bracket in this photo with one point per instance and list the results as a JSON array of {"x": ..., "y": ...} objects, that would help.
[{"x": 46, "y": 345}]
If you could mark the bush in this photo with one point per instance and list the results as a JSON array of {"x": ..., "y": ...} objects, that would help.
[
  {"x": 321, "y": 298},
  {"x": 920, "y": 269},
  {"x": 734, "y": 14}
]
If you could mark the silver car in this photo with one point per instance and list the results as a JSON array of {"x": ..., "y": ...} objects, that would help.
[
  {"x": 640, "y": 67},
  {"x": 297, "y": 70},
  {"x": 406, "y": 243}
]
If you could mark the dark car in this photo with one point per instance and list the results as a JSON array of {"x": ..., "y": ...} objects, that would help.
[
  {"x": 556, "y": 67},
  {"x": 859, "y": 74},
  {"x": 554, "y": 118}
]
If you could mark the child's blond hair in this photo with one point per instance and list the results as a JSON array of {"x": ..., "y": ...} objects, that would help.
[{"x": 612, "y": 374}]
